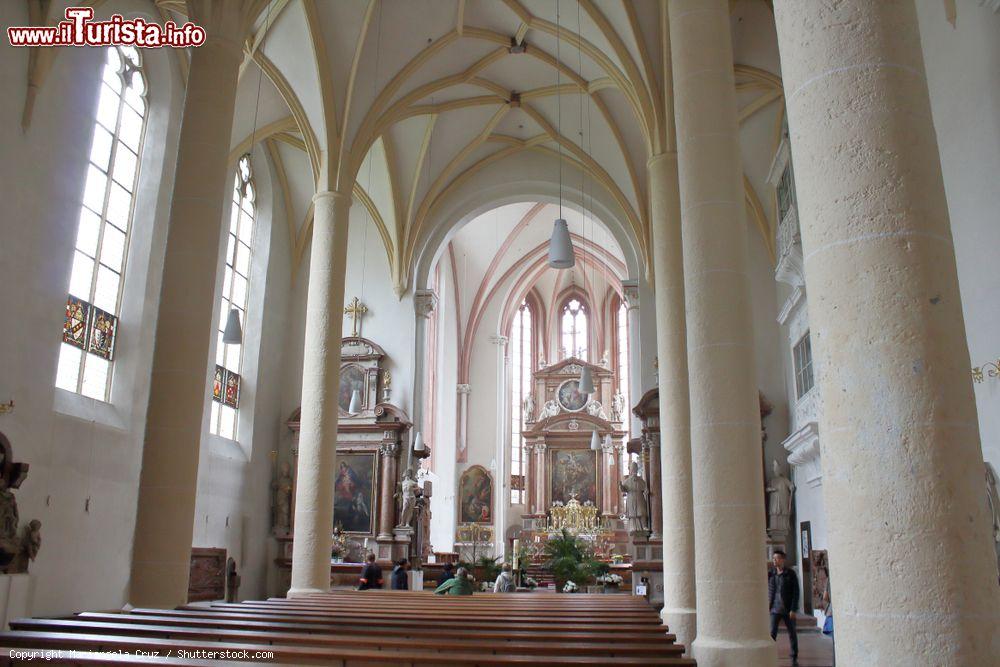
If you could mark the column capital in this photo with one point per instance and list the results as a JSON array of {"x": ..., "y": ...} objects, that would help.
[
  {"x": 541, "y": 447},
  {"x": 425, "y": 302},
  {"x": 389, "y": 449},
  {"x": 464, "y": 388},
  {"x": 660, "y": 157},
  {"x": 630, "y": 288}
]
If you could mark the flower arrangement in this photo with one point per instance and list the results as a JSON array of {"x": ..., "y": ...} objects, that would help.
[
  {"x": 610, "y": 579},
  {"x": 617, "y": 559},
  {"x": 530, "y": 583},
  {"x": 339, "y": 549},
  {"x": 570, "y": 587},
  {"x": 486, "y": 586}
]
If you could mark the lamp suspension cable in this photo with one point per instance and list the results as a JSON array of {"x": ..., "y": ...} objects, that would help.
[{"x": 561, "y": 254}]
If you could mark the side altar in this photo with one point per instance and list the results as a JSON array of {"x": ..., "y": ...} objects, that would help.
[
  {"x": 570, "y": 483},
  {"x": 379, "y": 506}
]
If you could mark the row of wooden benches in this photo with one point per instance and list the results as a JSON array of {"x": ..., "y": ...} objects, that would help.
[{"x": 362, "y": 628}]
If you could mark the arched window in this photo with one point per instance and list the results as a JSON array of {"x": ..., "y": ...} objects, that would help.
[
  {"x": 90, "y": 327},
  {"x": 521, "y": 366},
  {"x": 235, "y": 289},
  {"x": 574, "y": 320},
  {"x": 621, "y": 337}
]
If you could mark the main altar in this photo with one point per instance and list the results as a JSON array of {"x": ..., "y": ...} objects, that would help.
[{"x": 571, "y": 485}]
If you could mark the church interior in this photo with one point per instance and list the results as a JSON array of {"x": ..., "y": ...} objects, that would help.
[{"x": 666, "y": 306}]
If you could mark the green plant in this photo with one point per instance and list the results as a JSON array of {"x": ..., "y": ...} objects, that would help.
[
  {"x": 489, "y": 568},
  {"x": 570, "y": 558}
]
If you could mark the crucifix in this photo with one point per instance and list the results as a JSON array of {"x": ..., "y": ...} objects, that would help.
[{"x": 356, "y": 310}]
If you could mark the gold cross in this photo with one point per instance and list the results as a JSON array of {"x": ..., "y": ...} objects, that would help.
[{"x": 356, "y": 311}]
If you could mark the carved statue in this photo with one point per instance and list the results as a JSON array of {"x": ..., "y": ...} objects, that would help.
[
  {"x": 636, "y": 500},
  {"x": 604, "y": 359},
  {"x": 595, "y": 409},
  {"x": 16, "y": 551},
  {"x": 528, "y": 408},
  {"x": 232, "y": 580},
  {"x": 994, "y": 501},
  {"x": 779, "y": 508},
  {"x": 409, "y": 488},
  {"x": 386, "y": 385},
  {"x": 283, "y": 499},
  {"x": 617, "y": 406},
  {"x": 550, "y": 409}
]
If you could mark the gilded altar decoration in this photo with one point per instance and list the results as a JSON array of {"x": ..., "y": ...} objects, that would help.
[
  {"x": 989, "y": 369},
  {"x": 577, "y": 518}
]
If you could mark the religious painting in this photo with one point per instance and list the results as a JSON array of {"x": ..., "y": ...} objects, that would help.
[
  {"x": 475, "y": 496},
  {"x": 232, "y": 395},
  {"x": 354, "y": 493},
  {"x": 218, "y": 383},
  {"x": 574, "y": 475},
  {"x": 75, "y": 323},
  {"x": 102, "y": 333},
  {"x": 570, "y": 397},
  {"x": 352, "y": 377},
  {"x": 820, "y": 574},
  {"x": 474, "y": 533}
]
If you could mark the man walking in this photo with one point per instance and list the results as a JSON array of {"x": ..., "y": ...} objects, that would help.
[{"x": 783, "y": 600}]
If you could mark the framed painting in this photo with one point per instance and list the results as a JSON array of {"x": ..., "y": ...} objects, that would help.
[
  {"x": 354, "y": 493},
  {"x": 570, "y": 397},
  {"x": 573, "y": 475},
  {"x": 475, "y": 496},
  {"x": 352, "y": 377}
]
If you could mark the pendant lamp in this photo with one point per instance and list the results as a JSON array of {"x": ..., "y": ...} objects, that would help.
[
  {"x": 418, "y": 442},
  {"x": 233, "y": 333},
  {"x": 355, "y": 406},
  {"x": 595, "y": 441},
  {"x": 561, "y": 247},
  {"x": 587, "y": 381}
]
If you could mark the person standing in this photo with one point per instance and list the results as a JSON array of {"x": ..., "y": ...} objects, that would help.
[
  {"x": 783, "y": 600},
  {"x": 505, "y": 581},
  {"x": 399, "y": 581},
  {"x": 371, "y": 575}
]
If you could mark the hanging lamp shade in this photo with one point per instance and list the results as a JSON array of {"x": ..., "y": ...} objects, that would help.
[
  {"x": 418, "y": 442},
  {"x": 355, "y": 406},
  {"x": 595, "y": 441},
  {"x": 233, "y": 333},
  {"x": 587, "y": 381},
  {"x": 607, "y": 441},
  {"x": 561, "y": 247}
]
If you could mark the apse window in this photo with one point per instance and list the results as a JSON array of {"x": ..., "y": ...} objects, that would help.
[
  {"x": 227, "y": 381},
  {"x": 90, "y": 324},
  {"x": 521, "y": 356},
  {"x": 574, "y": 329},
  {"x": 802, "y": 354}
]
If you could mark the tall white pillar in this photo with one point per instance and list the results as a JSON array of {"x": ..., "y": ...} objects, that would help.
[
  {"x": 502, "y": 481},
  {"x": 320, "y": 383},
  {"x": 912, "y": 570},
  {"x": 631, "y": 290},
  {"x": 179, "y": 379},
  {"x": 727, "y": 481}
]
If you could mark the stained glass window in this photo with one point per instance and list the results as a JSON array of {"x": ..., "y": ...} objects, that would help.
[
  {"x": 235, "y": 292},
  {"x": 521, "y": 367},
  {"x": 574, "y": 329},
  {"x": 90, "y": 327}
]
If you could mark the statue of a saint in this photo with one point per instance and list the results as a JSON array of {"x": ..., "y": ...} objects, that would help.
[
  {"x": 283, "y": 499},
  {"x": 409, "y": 487},
  {"x": 636, "y": 500},
  {"x": 779, "y": 508},
  {"x": 994, "y": 501},
  {"x": 617, "y": 406},
  {"x": 550, "y": 409},
  {"x": 528, "y": 408}
]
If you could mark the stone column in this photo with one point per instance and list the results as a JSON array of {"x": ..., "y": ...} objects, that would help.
[
  {"x": 902, "y": 463},
  {"x": 501, "y": 500},
  {"x": 631, "y": 290},
  {"x": 388, "y": 451},
  {"x": 652, "y": 448},
  {"x": 185, "y": 327},
  {"x": 542, "y": 503},
  {"x": 674, "y": 488},
  {"x": 320, "y": 382},
  {"x": 463, "y": 421},
  {"x": 731, "y": 586}
]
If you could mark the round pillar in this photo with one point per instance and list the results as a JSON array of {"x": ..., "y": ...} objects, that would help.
[{"x": 912, "y": 571}]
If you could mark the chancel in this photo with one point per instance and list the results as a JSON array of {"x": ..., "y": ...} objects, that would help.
[{"x": 670, "y": 324}]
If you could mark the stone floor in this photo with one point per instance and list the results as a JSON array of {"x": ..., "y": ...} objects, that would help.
[{"x": 815, "y": 650}]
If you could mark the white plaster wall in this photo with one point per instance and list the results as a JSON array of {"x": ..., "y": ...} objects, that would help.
[
  {"x": 963, "y": 77},
  {"x": 78, "y": 448},
  {"x": 443, "y": 502}
]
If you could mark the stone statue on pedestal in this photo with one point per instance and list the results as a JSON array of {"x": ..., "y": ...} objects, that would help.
[
  {"x": 409, "y": 487},
  {"x": 16, "y": 550},
  {"x": 617, "y": 406},
  {"x": 283, "y": 500},
  {"x": 528, "y": 408},
  {"x": 636, "y": 500},
  {"x": 779, "y": 508},
  {"x": 993, "y": 496}
]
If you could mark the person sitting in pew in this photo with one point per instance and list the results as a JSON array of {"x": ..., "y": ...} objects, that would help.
[
  {"x": 457, "y": 585},
  {"x": 399, "y": 580},
  {"x": 371, "y": 575},
  {"x": 505, "y": 581},
  {"x": 446, "y": 573}
]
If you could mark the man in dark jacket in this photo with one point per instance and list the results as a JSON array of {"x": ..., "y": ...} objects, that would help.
[
  {"x": 446, "y": 573},
  {"x": 371, "y": 575},
  {"x": 783, "y": 600},
  {"x": 399, "y": 580}
]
